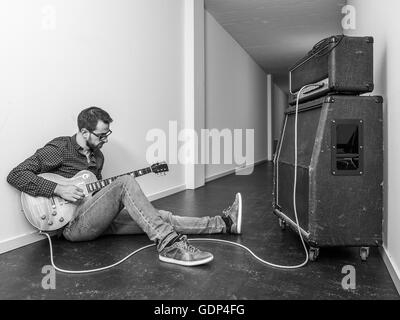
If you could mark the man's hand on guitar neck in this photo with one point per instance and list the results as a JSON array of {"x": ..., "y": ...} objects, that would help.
[{"x": 69, "y": 192}]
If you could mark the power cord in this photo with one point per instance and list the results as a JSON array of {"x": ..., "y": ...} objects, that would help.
[
  {"x": 152, "y": 245},
  {"x": 295, "y": 172},
  {"x": 210, "y": 239}
]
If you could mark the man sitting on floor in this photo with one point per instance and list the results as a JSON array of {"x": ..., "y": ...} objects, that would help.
[{"x": 121, "y": 207}]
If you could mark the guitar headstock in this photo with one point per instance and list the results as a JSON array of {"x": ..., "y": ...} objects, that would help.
[{"x": 160, "y": 168}]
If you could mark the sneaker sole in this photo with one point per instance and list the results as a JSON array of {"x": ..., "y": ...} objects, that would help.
[
  {"x": 239, "y": 222},
  {"x": 186, "y": 263}
]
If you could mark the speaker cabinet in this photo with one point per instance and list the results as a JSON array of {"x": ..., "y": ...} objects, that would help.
[{"x": 339, "y": 194}]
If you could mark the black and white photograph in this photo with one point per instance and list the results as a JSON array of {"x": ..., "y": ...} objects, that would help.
[{"x": 197, "y": 158}]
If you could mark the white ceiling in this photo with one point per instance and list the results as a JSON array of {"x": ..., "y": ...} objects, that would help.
[{"x": 277, "y": 33}]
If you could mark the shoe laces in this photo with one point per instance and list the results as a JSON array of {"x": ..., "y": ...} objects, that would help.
[
  {"x": 227, "y": 210},
  {"x": 184, "y": 244}
]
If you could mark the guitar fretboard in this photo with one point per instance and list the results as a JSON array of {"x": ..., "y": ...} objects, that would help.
[{"x": 95, "y": 186}]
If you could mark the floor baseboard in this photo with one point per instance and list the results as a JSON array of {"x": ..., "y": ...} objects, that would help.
[
  {"x": 392, "y": 268},
  {"x": 166, "y": 193},
  {"x": 19, "y": 241},
  {"x": 234, "y": 170}
]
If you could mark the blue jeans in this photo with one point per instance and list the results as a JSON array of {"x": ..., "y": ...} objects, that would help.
[{"x": 122, "y": 208}]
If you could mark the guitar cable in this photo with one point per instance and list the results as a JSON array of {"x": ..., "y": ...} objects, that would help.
[{"x": 218, "y": 240}]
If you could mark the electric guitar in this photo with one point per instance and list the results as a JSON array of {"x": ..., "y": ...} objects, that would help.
[{"x": 49, "y": 214}]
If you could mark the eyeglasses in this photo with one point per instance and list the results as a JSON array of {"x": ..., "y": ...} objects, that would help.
[{"x": 102, "y": 136}]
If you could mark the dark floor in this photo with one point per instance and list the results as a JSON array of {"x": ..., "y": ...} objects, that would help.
[{"x": 234, "y": 274}]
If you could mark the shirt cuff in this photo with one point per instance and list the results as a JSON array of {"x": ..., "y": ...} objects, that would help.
[{"x": 47, "y": 188}]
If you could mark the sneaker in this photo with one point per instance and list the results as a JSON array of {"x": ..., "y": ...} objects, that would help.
[
  {"x": 184, "y": 254},
  {"x": 234, "y": 214}
]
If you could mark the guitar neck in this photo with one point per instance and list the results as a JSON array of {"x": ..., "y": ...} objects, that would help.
[{"x": 95, "y": 186}]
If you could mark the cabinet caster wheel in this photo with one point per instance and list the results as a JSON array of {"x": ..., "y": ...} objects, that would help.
[
  {"x": 364, "y": 253},
  {"x": 282, "y": 224},
  {"x": 313, "y": 254}
]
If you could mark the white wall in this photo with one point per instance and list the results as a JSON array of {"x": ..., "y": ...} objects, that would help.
[
  {"x": 380, "y": 20},
  {"x": 125, "y": 56},
  {"x": 236, "y": 91},
  {"x": 194, "y": 86},
  {"x": 279, "y": 105}
]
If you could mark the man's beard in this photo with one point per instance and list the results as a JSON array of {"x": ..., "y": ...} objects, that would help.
[{"x": 93, "y": 147}]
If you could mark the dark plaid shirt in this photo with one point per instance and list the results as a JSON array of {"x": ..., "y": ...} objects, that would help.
[{"x": 61, "y": 156}]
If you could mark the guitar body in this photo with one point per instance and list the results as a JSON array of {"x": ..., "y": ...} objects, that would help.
[{"x": 49, "y": 214}]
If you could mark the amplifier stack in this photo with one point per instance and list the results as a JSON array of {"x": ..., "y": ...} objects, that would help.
[{"x": 339, "y": 194}]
